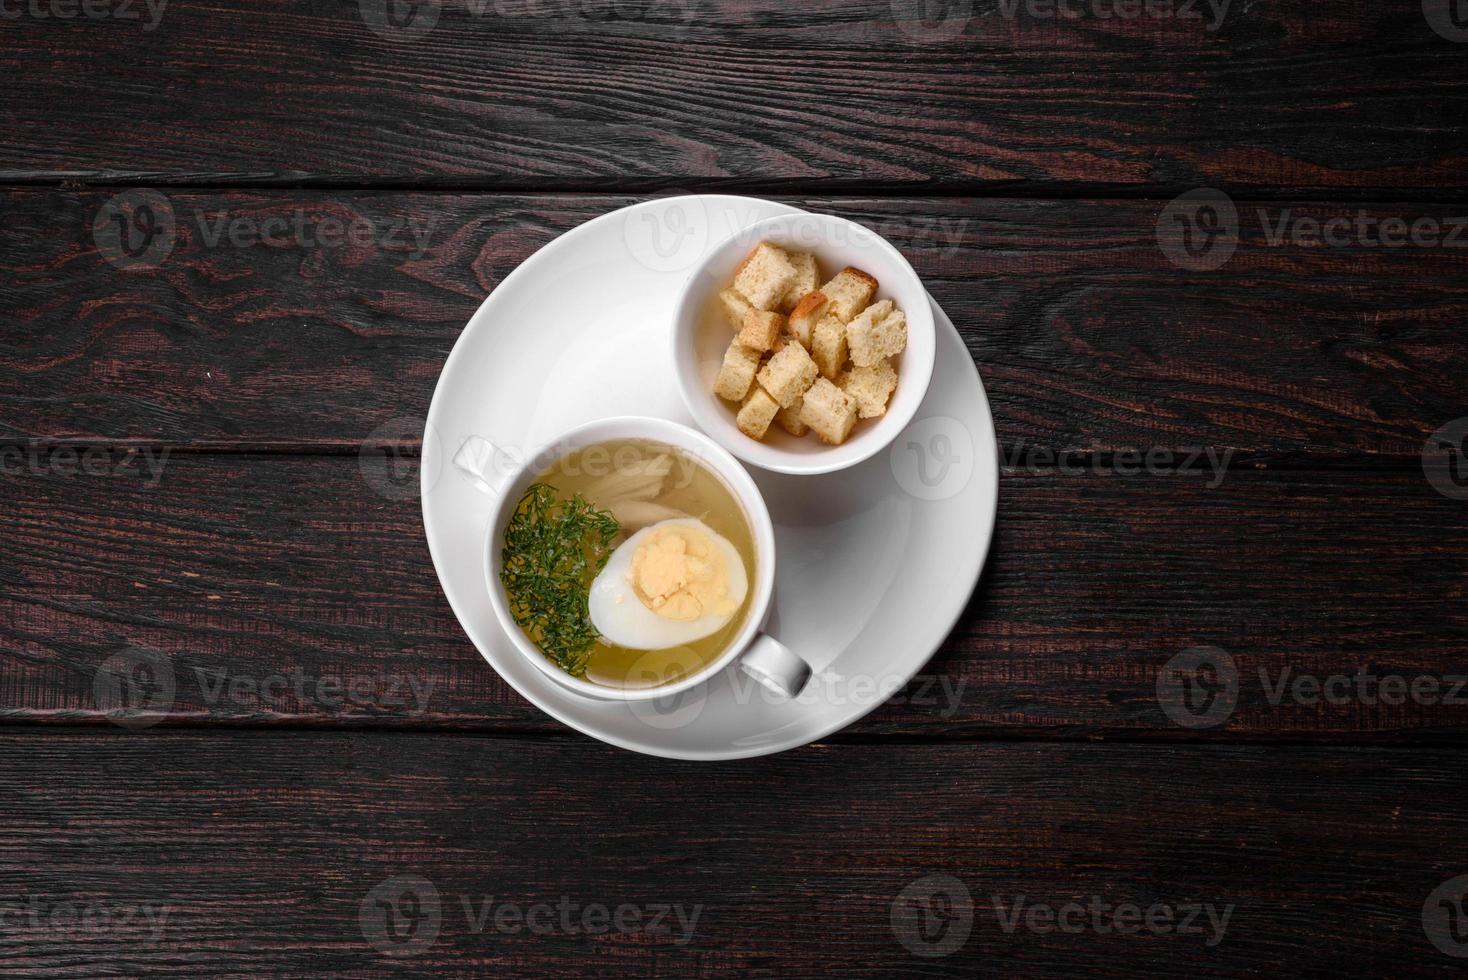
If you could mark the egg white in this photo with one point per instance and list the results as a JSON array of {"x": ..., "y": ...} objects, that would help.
[{"x": 623, "y": 620}]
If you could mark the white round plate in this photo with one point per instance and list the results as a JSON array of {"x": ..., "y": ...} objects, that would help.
[{"x": 874, "y": 564}]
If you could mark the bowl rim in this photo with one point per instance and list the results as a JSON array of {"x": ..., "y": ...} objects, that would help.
[
  {"x": 708, "y": 410},
  {"x": 706, "y": 451}
]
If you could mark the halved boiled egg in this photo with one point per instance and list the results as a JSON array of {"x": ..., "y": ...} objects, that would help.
[{"x": 671, "y": 583}]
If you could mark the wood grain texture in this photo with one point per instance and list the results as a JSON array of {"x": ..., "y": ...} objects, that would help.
[
  {"x": 1087, "y": 336},
  {"x": 256, "y": 853},
  {"x": 895, "y": 93},
  {"x": 251, "y": 571}
]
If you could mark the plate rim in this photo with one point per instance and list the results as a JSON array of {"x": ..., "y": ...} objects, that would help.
[{"x": 973, "y": 572}]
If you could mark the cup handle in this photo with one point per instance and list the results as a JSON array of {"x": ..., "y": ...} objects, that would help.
[
  {"x": 479, "y": 459},
  {"x": 775, "y": 666}
]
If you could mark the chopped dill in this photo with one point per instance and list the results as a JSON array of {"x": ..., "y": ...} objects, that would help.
[{"x": 553, "y": 550}]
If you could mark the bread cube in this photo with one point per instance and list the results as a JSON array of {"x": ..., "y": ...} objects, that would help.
[
  {"x": 735, "y": 306},
  {"x": 787, "y": 374},
  {"x": 761, "y": 329},
  {"x": 870, "y": 388},
  {"x": 849, "y": 292},
  {"x": 828, "y": 346},
  {"x": 806, "y": 280},
  {"x": 737, "y": 372},
  {"x": 829, "y": 411},
  {"x": 879, "y": 332},
  {"x": 764, "y": 276},
  {"x": 805, "y": 316},
  {"x": 755, "y": 415},
  {"x": 789, "y": 419}
]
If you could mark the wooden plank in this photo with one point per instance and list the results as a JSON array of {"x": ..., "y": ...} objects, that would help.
[
  {"x": 249, "y": 853},
  {"x": 894, "y": 93},
  {"x": 1088, "y": 336},
  {"x": 249, "y": 572}
]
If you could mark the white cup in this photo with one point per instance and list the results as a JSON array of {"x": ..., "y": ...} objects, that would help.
[
  {"x": 701, "y": 335},
  {"x": 505, "y": 477}
]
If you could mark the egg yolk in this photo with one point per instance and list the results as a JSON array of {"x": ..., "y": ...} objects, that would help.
[{"x": 679, "y": 574}]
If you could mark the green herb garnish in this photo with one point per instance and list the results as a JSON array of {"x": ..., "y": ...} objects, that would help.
[{"x": 554, "y": 548}]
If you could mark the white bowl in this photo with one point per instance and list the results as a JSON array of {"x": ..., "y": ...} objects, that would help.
[{"x": 701, "y": 334}]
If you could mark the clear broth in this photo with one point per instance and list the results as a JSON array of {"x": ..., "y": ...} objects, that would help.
[{"x": 690, "y": 487}]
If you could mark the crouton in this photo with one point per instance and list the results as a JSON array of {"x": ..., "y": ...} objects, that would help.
[
  {"x": 829, "y": 412},
  {"x": 761, "y": 329},
  {"x": 755, "y": 415},
  {"x": 849, "y": 292},
  {"x": 737, "y": 373},
  {"x": 879, "y": 332},
  {"x": 828, "y": 346},
  {"x": 735, "y": 306},
  {"x": 764, "y": 276},
  {"x": 806, "y": 280},
  {"x": 789, "y": 419},
  {"x": 787, "y": 374},
  {"x": 870, "y": 388},
  {"x": 805, "y": 316}
]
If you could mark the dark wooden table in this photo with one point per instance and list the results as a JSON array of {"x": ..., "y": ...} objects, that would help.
[{"x": 1252, "y": 447}]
